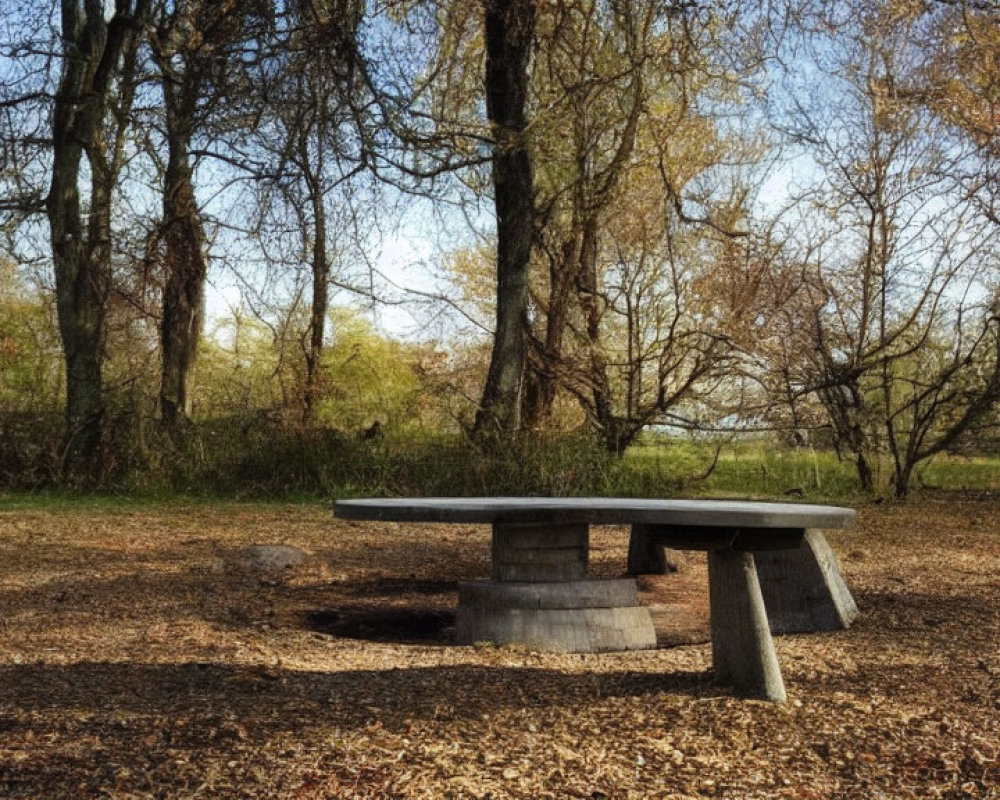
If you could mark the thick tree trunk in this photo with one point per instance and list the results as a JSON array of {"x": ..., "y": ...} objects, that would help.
[
  {"x": 80, "y": 304},
  {"x": 865, "y": 475},
  {"x": 509, "y": 30},
  {"x": 901, "y": 480},
  {"x": 541, "y": 381},
  {"x": 81, "y": 253},
  {"x": 79, "y": 301}
]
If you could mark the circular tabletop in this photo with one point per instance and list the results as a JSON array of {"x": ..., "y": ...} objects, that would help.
[{"x": 597, "y": 510}]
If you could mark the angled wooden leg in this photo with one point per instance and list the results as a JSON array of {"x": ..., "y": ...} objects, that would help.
[{"x": 742, "y": 649}]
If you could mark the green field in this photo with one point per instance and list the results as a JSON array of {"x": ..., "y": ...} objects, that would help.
[{"x": 757, "y": 469}]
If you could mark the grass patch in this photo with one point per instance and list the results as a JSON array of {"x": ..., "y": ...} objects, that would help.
[
  {"x": 760, "y": 469},
  {"x": 964, "y": 473},
  {"x": 743, "y": 469}
]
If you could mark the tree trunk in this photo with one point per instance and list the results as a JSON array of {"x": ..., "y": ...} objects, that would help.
[
  {"x": 610, "y": 428},
  {"x": 542, "y": 379},
  {"x": 181, "y": 234},
  {"x": 184, "y": 281},
  {"x": 509, "y": 31},
  {"x": 901, "y": 481},
  {"x": 320, "y": 303},
  {"x": 865, "y": 475},
  {"x": 81, "y": 253},
  {"x": 80, "y": 293},
  {"x": 844, "y": 404}
]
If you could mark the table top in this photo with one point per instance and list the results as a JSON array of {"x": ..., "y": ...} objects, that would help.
[{"x": 597, "y": 510}]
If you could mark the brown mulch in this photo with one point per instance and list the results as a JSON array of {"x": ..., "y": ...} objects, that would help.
[{"x": 142, "y": 656}]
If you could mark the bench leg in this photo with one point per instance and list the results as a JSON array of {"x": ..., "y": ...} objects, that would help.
[
  {"x": 743, "y": 652},
  {"x": 540, "y": 551},
  {"x": 589, "y": 616},
  {"x": 803, "y": 588},
  {"x": 646, "y": 556}
]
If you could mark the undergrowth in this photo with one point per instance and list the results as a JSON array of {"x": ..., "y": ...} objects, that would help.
[{"x": 255, "y": 457}]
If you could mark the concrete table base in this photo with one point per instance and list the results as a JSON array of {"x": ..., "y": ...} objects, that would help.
[
  {"x": 803, "y": 589},
  {"x": 802, "y": 586},
  {"x": 539, "y": 596},
  {"x": 585, "y": 616},
  {"x": 532, "y": 552},
  {"x": 743, "y": 652}
]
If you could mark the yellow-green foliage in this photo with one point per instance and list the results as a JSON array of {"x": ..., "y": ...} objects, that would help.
[
  {"x": 368, "y": 377},
  {"x": 248, "y": 366},
  {"x": 234, "y": 369},
  {"x": 30, "y": 360}
]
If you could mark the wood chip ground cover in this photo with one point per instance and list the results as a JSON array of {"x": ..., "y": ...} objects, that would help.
[{"x": 142, "y": 656}]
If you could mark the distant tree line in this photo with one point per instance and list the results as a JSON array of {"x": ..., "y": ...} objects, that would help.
[{"x": 709, "y": 216}]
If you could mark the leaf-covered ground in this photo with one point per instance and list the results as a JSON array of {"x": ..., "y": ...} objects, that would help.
[{"x": 141, "y": 656}]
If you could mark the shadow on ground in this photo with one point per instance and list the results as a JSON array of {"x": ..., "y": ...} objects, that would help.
[
  {"x": 391, "y": 625},
  {"x": 185, "y": 702}
]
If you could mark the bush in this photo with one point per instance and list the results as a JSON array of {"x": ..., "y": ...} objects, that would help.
[{"x": 29, "y": 450}]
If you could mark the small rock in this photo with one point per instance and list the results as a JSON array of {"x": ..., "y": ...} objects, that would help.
[{"x": 274, "y": 557}]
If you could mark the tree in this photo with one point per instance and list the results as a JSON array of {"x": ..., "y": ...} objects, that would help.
[
  {"x": 25, "y": 100},
  {"x": 315, "y": 149},
  {"x": 959, "y": 81},
  {"x": 590, "y": 79},
  {"x": 509, "y": 34},
  {"x": 893, "y": 251},
  {"x": 622, "y": 142},
  {"x": 97, "y": 70},
  {"x": 951, "y": 384},
  {"x": 184, "y": 43}
]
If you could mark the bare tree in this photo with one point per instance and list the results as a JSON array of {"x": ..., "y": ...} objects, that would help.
[
  {"x": 958, "y": 81},
  {"x": 621, "y": 143},
  {"x": 97, "y": 61},
  {"x": 893, "y": 250},
  {"x": 25, "y": 100},
  {"x": 590, "y": 80},
  {"x": 319, "y": 148},
  {"x": 186, "y": 36}
]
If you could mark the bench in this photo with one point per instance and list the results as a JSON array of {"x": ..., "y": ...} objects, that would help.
[{"x": 765, "y": 560}]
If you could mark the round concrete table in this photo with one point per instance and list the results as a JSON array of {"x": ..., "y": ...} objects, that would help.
[{"x": 540, "y": 596}]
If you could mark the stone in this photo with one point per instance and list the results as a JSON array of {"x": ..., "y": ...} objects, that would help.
[
  {"x": 564, "y": 630},
  {"x": 540, "y": 552},
  {"x": 587, "y": 616},
  {"x": 743, "y": 653},
  {"x": 803, "y": 588},
  {"x": 597, "y": 511},
  {"x": 273, "y": 557},
  {"x": 647, "y": 556},
  {"x": 594, "y": 593}
]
